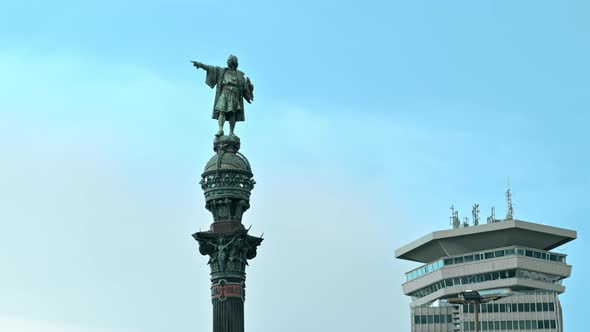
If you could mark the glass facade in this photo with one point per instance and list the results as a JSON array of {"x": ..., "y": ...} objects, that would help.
[
  {"x": 503, "y": 325},
  {"x": 424, "y": 270},
  {"x": 482, "y": 277},
  {"x": 433, "y": 319},
  {"x": 511, "y": 307},
  {"x": 470, "y": 279},
  {"x": 473, "y": 257}
]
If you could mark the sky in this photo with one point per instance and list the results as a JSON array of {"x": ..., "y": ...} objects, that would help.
[{"x": 370, "y": 120}]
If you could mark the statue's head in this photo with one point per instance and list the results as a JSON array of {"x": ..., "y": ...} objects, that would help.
[{"x": 232, "y": 62}]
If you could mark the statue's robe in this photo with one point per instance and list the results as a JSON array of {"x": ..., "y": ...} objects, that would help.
[{"x": 244, "y": 89}]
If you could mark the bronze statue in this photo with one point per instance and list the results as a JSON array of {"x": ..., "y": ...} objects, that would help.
[
  {"x": 221, "y": 251},
  {"x": 232, "y": 88}
]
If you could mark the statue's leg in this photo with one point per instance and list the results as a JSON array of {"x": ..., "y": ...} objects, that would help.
[
  {"x": 232, "y": 123},
  {"x": 221, "y": 120}
]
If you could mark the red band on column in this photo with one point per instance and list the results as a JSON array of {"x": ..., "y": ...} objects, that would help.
[{"x": 222, "y": 292}]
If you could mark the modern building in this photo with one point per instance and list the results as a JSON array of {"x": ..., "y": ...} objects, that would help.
[{"x": 510, "y": 258}]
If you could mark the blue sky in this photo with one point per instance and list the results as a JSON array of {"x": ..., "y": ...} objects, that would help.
[{"x": 370, "y": 119}]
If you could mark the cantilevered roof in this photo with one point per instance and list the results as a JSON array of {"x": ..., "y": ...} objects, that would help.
[{"x": 482, "y": 237}]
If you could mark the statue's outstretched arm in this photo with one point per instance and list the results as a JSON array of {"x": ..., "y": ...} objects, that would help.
[{"x": 200, "y": 65}]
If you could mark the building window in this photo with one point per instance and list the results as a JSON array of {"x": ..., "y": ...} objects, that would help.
[
  {"x": 486, "y": 255},
  {"x": 477, "y": 278}
]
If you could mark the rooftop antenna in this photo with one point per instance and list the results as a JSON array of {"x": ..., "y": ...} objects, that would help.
[
  {"x": 492, "y": 217},
  {"x": 475, "y": 213},
  {"x": 455, "y": 217},
  {"x": 465, "y": 222},
  {"x": 510, "y": 212}
]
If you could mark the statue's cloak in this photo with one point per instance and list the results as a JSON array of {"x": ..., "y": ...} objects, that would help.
[{"x": 246, "y": 89}]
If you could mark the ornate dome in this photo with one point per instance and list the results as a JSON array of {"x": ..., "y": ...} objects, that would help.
[
  {"x": 227, "y": 161},
  {"x": 227, "y": 183}
]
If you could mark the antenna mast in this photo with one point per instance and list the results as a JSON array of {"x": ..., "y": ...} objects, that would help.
[
  {"x": 465, "y": 222},
  {"x": 475, "y": 213},
  {"x": 492, "y": 217},
  {"x": 455, "y": 217},
  {"x": 510, "y": 212}
]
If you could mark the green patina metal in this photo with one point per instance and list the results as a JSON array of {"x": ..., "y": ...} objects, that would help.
[
  {"x": 227, "y": 182},
  {"x": 233, "y": 87}
]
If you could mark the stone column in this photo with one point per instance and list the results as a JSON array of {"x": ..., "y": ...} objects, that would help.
[{"x": 227, "y": 183}]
